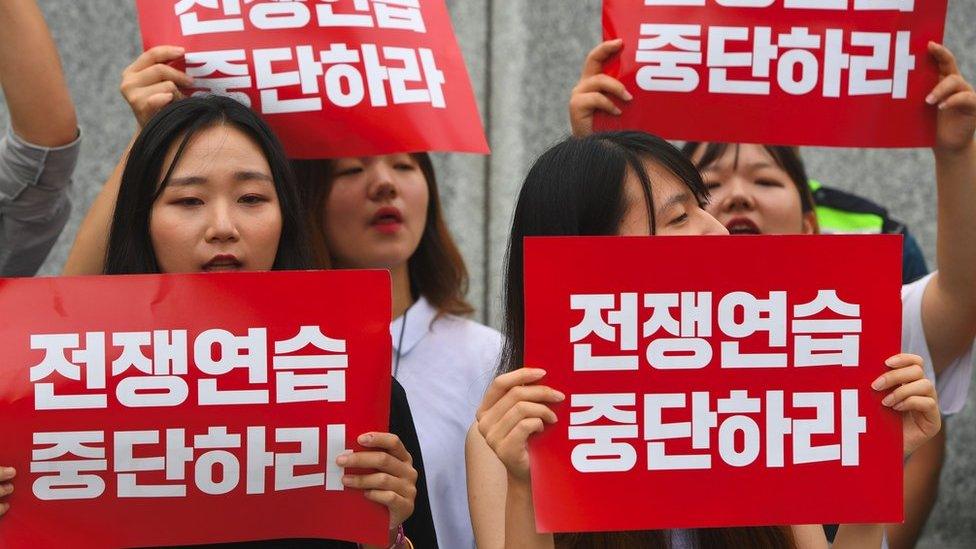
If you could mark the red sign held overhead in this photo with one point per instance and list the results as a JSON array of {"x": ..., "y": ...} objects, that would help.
[
  {"x": 213, "y": 404},
  {"x": 714, "y": 392},
  {"x": 333, "y": 78},
  {"x": 851, "y": 73}
]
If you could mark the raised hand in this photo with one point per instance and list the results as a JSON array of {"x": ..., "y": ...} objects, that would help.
[
  {"x": 513, "y": 410},
  {"x": 6, "y": 487},
  {"x": 394, "y": 482},
  {"x": 913, "y": 395},
  {"x": 150, "y": 83},
  {"x": 956, "y": 102},
  {"x": 594, "y": 89}
]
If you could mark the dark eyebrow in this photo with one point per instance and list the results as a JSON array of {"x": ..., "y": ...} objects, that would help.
[
  {"x": 762, "y": 165},
  {"x": 751, "y": 167},
  {"x": 183, "y": 181},
  {"x": 679, "y": 198},
  {"x": 250, "y": 176},
  {"x": 238, "y": 176}
]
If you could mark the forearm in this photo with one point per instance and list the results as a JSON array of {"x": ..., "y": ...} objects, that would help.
[
  {"x": 486, "y": 478},
  {"x": 922, "y": 474},
  {"x": 41, "y": 111},
  {"x": 949, "y": 304},
  {"x": 487, "y": 512},
  {"x": 858, "y": 536},
  {"x": 87, "y": 255},
  {"x": 956, "y": 190},
  {"x": 520, "y": 519}
]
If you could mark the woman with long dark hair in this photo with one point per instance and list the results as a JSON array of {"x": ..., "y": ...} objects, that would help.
[
  {"x": 384, "y": 212},
  {"x": 621, "y": 183},
  {"x": 764, "y": 189},
  {"x": 379, "y": 212},
  {"x": 206, "y": 187}
]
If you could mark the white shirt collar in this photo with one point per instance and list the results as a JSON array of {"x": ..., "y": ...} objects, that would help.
[{"x": 419, "y": 319}]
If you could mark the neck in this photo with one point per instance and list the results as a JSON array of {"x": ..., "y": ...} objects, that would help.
[{"x": 402, "y": 300}]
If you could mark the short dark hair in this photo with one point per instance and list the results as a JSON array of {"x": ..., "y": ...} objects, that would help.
[
  {"x": 785, "y": 157},
  {"x": 436, "y": 267},
  {"x": 130, "y": 248}
]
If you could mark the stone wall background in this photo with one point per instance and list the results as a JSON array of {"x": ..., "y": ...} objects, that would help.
[{"x": 523, "y": 57}]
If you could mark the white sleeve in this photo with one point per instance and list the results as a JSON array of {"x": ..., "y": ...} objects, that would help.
[{"x": 953, "y": 383}]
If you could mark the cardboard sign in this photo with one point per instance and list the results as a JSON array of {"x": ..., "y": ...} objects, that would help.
[
  {"x": 850, "y": 73},
  {"x": 714, "y": 381},
  {"x": 333, "y": 78},
  {"x": 183, "y": 409}
]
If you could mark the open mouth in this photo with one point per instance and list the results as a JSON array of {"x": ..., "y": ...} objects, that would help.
[
  {"x": 387, "y": 217},
  {"x": 223, "y": 263},
  {"x": 742, "y": 225}
]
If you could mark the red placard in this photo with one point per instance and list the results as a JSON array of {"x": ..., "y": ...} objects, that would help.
[
  {"x": 334, "y": 79},
  {"x": 178, "y": 409},
  {"x": 850, "y": 73},
  {"x": 687, "y": 362}
]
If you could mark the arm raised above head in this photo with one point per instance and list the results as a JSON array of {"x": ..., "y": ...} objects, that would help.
[
  {"x": 34, "y": 86},
  {"x": 949, "y": 301}
]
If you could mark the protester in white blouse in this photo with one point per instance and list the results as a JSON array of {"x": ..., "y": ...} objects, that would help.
[
  {"x": 384, "y": 212},
  {"x": 445, "y": 363}
]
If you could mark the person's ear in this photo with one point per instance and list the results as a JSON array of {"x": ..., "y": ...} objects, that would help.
[{"x": 810, "y": 225}]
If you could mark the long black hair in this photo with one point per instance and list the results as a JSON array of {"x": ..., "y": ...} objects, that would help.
[
  {"x": 130, "y": 248},
  {"x": 576, "y": 188}
]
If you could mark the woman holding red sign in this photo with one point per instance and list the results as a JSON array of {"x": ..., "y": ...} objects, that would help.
[
  {"x": 384, "y": 212},
  {"x": 763, "y": 189},
  {"x": 379, "y": 212},
  {"x": 601, "y": 185},
  {"x": 225, "y": 200}
]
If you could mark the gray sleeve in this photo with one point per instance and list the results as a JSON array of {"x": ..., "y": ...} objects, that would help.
[{"x": 34, "y": 205}]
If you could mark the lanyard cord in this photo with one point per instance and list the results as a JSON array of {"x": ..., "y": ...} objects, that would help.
[{"x": 403, "y": 329}]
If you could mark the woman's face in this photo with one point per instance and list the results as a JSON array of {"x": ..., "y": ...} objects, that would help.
[
  {"x": 676, "y": 210},
  {"x": 219, "y": 210},
  {"x": 752, "y": 194},
  {"x": 375, "y": 212}
]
